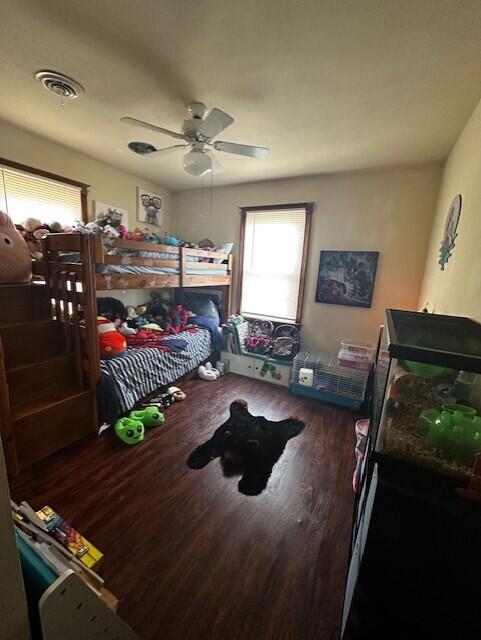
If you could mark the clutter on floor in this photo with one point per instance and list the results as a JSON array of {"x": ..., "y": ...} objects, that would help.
[
  {"x": 60, "y": 545},
  {"x": 250, "y": 443},
  {"x": 208, "y": 372}
]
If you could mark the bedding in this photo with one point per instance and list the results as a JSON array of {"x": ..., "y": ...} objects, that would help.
[
  {"x": 135, "y": 269},
  {"x": 141, "y": 371}
]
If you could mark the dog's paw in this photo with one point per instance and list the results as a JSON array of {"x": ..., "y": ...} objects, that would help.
[
  {"x": 199, "y": 459},
  {"x": 249, "y": 488},
  {"x": 294, "y": 426}
]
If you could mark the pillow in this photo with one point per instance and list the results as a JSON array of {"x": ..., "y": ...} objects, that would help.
[
  {"x": 203, "y": 304},
  {"x": 224, "y": 248},
  {"x": 15, "y": 260}
]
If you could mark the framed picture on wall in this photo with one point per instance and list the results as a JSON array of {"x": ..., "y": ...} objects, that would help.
[
  {"x": 347, "y": 277},
  {"x": 149, "y": 207}
]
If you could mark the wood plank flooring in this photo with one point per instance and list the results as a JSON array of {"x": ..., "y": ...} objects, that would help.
[{"x": 190, "y": 557}]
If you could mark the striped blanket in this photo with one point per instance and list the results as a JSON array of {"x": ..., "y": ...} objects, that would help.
[{"x": 141, "y": 371}]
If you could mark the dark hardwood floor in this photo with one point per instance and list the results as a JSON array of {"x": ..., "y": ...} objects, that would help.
[{"x": 190, "y": 557}]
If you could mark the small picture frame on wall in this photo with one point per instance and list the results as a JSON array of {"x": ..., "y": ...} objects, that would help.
[
  {"x": 347, "y": 277},
  {"x": 149, "y": 207}
]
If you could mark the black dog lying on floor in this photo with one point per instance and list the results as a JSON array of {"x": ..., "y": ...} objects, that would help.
[{"x": 251, "y": 443}]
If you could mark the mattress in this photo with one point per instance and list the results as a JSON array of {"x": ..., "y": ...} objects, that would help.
[
  {"x": 136, "y": 269},
  {"x": 141, "y": 371}
]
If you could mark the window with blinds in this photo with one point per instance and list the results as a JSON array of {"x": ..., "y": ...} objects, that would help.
[
  {"x": 274, "y": 256},
  {"x": 27, "y": 195}
]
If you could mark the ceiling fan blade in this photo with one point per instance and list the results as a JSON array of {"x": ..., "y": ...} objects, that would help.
[
  {"x": 242, "y": 149},
  {"x": 147, "y": 149},
  {"x": 216, "y": 165},
  {"x": 215, "y": 122},
  {"x": 151, "y": 127}
]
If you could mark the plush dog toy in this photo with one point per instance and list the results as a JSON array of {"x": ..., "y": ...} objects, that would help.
[
  {"x": 251, "y": 442},
  {"x": 15, "y": 260}
]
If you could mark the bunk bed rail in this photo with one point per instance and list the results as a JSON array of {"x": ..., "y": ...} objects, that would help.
[
  {"x": 105, "y": 281},
  {"x": 208, "y": 279},
  {"x": 188, "y": 267}
]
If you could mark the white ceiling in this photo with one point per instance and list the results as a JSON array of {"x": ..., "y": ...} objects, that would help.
[{"x": 326, "y": 85}]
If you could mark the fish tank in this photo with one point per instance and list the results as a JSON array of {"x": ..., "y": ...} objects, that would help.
[{"x": 430, "y": 415}]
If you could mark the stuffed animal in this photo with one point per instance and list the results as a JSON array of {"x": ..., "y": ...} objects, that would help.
[
  {"x": 55, "y": 227},
  {"x": 177, "y": 394},
  {"x": 111, "y": 342},
  {"x": 170, "y": 240},
  {"x": 152, "y": 327},
  {"x": 124, "y": 329},
  {"x": 94, "y": 227},
  {"x": 15, "y": 261},
  {"x": 32, "y": 231},
  {"x": 177, "y": 320},
  {"x": 111, "y": 308},
  {"x": 251, "y": 442},
  {"x": 159, "y": 306},
  {"x": 129, "y": 431}
]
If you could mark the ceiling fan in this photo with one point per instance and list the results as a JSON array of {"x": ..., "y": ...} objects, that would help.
[{"x": 197, "y": 135}]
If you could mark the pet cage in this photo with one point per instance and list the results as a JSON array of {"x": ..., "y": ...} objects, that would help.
[{"x": 328, "y": 381}]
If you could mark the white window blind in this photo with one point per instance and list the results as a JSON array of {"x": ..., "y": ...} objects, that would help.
[
  {"x": 273, "y": 252},
  {"x": 27, "y": 195}
]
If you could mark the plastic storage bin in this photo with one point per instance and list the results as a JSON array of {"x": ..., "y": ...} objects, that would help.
[
  {"x": 344, "y": 386},
  {"x": 358, "y": 355}
]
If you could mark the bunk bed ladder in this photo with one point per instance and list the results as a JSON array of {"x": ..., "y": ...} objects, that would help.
[{"x": 49, "y": 362}]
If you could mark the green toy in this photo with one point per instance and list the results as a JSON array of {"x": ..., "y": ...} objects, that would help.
[
  {"x": 270, "y": 368},
  {"x": 150, "y": 417},
  {"x": 129, "y": 431},
  {"x": 456, "y": 433}
]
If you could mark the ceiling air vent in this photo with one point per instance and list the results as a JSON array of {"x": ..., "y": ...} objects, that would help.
[{"x": 60, "y": 84}]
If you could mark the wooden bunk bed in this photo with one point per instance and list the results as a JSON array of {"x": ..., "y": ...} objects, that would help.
[
  {"x": 49, "y": 356},
  {"x": 181, "y": 262},
  {"x": 131, "y": 377}
]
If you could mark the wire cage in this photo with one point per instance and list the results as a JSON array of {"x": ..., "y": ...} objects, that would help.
[{"x": 345, "y": 386}]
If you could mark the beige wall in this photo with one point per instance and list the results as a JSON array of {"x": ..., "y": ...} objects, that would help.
[
  {"x": 106, "y": 183},
  {"x": 457, "y": 289},
  {"x": 386, "y": 210}
]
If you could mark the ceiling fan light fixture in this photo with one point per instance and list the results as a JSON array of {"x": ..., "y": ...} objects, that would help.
[
  {"x": 142, "y": 148},
  {"x": 197, "y": 162}
]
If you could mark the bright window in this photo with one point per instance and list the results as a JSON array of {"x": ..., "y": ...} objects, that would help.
[
  {"x": 273, "y": 257},
  {"x": 28, "y": 195}
]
